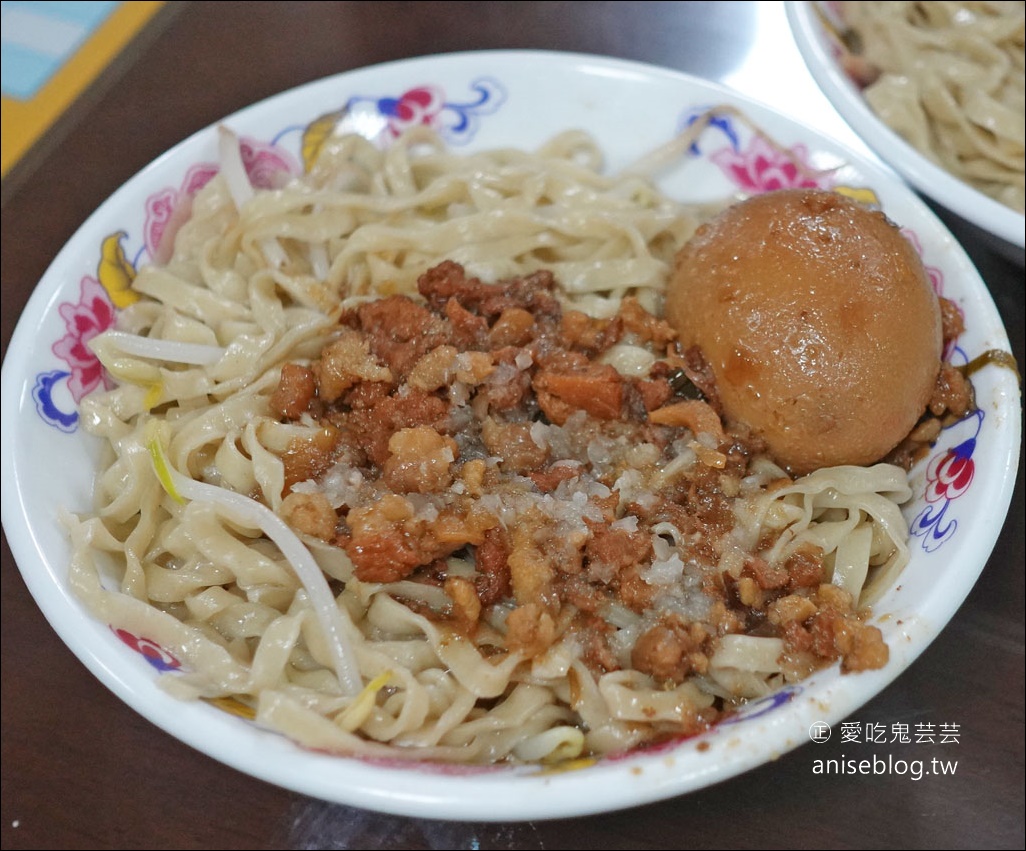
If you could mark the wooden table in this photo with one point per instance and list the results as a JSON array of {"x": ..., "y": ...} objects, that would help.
[{"x": 81, "y": 769}]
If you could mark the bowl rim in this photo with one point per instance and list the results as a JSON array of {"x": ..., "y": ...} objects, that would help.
[{"x": 592, "y": 792}]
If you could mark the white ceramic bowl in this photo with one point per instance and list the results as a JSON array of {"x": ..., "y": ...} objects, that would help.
[
  {"x": 1005, "y": 228},
  {"x": 484, "y": 100}
]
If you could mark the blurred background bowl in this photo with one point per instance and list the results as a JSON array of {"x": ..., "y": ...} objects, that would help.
[{"x": 970, "y": 213}]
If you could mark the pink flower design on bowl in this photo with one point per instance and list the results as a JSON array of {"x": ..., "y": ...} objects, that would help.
[
  {"x": 267, "y": 165},
  {"x": 92, "y": 315},
  {"x": 168, "y": 208},
  {"x": 761, "y": 167},
  {"x": 935, "y": 275},
  {"x": 948, "y": 476},
  {"x": 152, "y": 652},
  {"x": 415, "y": 107}
]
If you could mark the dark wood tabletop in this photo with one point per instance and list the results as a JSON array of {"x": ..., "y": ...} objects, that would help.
[{"x": 80, "y": 769}]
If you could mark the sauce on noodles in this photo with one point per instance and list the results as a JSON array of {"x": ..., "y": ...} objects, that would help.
[{"x": 516, "y": 531}]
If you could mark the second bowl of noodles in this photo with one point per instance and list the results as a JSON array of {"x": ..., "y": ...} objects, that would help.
[{"x": 936, "y": 90}]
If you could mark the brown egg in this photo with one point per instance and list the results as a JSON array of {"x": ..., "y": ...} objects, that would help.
[{"x": 818, "y": 321}]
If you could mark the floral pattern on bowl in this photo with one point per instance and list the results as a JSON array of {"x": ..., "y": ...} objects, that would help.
[{"x": 960, "y": 490}]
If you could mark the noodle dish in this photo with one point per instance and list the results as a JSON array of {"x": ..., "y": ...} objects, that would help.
[{"x": 414, "y": 443}]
